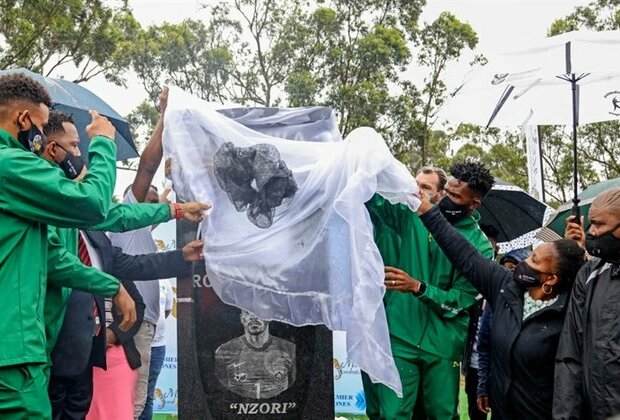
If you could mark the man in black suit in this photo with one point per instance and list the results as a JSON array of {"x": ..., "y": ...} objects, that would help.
[{"x": 83, "y": 337}]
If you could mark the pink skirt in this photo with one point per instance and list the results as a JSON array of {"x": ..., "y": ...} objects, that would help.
[{"x": 114, "y": 388}]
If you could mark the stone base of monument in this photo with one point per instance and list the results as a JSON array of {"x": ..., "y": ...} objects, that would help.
[{"x": 232, "y": 365}]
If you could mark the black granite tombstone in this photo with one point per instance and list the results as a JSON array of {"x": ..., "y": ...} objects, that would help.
[{"x": 235, "y": 366}]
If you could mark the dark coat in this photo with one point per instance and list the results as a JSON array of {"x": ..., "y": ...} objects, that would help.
[
  {"x": 484, "y": 351},
  {"x": 587, "y": 381},
  {"x": 522, "y": 352},
  {"x": 75, "y": 345}
]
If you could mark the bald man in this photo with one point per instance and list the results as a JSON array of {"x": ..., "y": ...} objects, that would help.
[{"x": 587, "y": 368}]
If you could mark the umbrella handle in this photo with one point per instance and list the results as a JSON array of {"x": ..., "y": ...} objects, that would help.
[{"x": 575, "y": 211}]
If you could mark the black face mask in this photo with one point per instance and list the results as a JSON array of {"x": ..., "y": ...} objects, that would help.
[
  {"x": 525, "y": 276},
  {"x": 606, "y": 247},
  {"x": 452, "y": 211},
  {"x": 32, "y": 139},
  {"x": 71, "y": 165}
]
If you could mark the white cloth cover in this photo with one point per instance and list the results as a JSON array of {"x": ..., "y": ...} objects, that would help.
[{"x": 290, "y": 239}]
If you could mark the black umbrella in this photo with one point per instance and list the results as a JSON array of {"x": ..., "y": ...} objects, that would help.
[
  {"x": 515, "y": 214},
  {"x": 77, "y": 101}
]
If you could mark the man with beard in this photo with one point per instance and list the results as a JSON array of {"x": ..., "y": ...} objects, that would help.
[
  {"x": 432, "y": 181},
  {"x": 427, "y": 300},
  {"x": 62, "y": 151},
  {"x": 587, "y": 368},
  {"x": 256, "y": 365},
  {"x": 33, "y": 196}
]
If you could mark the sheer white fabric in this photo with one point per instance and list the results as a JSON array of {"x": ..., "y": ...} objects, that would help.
[{"x": 310, "y": 259}]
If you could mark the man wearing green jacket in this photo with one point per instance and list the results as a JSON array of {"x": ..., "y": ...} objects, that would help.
[
  {"x": 62, "y": 150},
  {"x": 427, "y": 300},
  {"x": 35, "y": 194}
]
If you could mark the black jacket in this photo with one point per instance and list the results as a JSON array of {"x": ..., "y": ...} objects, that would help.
[
  {"x": 75, "y": 345},
  {"x": 587, "y": 381},
  {"x": 522, "y": 353},
  {"x": 484, "y": 351}
]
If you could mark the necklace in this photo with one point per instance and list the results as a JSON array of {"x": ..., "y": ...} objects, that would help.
[{"x": 531, "y": 305}]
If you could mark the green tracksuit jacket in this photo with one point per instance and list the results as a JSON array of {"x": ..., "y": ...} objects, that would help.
[
  {"x": 34, "y": 194},
  {"x": 121, "y": 218},
  {"x": 435, "y": 322}
]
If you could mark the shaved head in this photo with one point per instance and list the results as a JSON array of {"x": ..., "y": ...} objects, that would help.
[{"x": 608, "y": 201}]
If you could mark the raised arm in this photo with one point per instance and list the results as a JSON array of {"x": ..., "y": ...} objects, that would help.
[
  {"x": 126, "y": 217},
  {"x": 485, "y": 275},
  {"x": 151, "y": 156},
  {"x": 34, "y": 189},
  {"x": 130, "y": 216}
]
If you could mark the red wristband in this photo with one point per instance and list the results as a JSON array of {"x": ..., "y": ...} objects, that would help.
[{"x": 178, "y": 211}]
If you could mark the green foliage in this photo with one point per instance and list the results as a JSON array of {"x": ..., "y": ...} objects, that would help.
[
  {"x": 440, "y": 42},
  {"x": 350, "y": 55},
  {"x": 142, "y": 120},
  {"x": 42, "y": 35},
  {"x": 189, "y": 54},
  {"x": 600, "y": 15},
  {"x": 502, "y": 152}
]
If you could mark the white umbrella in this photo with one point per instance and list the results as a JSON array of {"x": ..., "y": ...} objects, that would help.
[
  {"x": 547, "y": 83},
  {"x": 546, "y": 100},
  {"x": 572, "y": 52}
]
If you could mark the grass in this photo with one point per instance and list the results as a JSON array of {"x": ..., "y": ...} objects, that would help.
[{"x": 463, "y": 404}]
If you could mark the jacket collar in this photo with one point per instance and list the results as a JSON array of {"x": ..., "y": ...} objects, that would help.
[
  {"x": 6, "y": 139},
  {"x": 468, "y": 221},
  {"x": 94, "y": 238}
]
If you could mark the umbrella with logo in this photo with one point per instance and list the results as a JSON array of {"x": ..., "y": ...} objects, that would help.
[
  {"x": 76, "y": 100},
  {"x": 557, "y": 221},
  {"x": 568, "y": 79},
  {"x": 515, "y": 214}
]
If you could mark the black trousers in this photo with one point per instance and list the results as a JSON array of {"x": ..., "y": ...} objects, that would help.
[
  {"x": 71, "y": 396},
  {"x": 471, "y": 389}
]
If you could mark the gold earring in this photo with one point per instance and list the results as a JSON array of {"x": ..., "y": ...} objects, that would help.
[{"x": 547, "y": 291}]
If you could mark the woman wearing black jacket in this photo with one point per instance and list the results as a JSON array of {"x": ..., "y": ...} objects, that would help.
[{"x": 528, "y": 312}]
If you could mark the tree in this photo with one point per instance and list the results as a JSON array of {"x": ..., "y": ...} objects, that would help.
[
  {"x": 600, "y": 15},
  {"x": 349, "y": 55},
  {"x": 142, "y": 120},
  {"x": 501, "y": 151},
  {"x": 213, "y": 60},
  {"x": 556, "y": 144},
  {"x": 440, "y": 42},
  {"x": 43, "y": 35}
]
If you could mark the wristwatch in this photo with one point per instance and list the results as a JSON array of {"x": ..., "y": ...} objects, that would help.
[{"x": 421, "y": 290}]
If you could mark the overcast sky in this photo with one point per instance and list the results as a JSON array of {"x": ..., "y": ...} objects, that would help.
[{"x": 502, "y": 25}]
